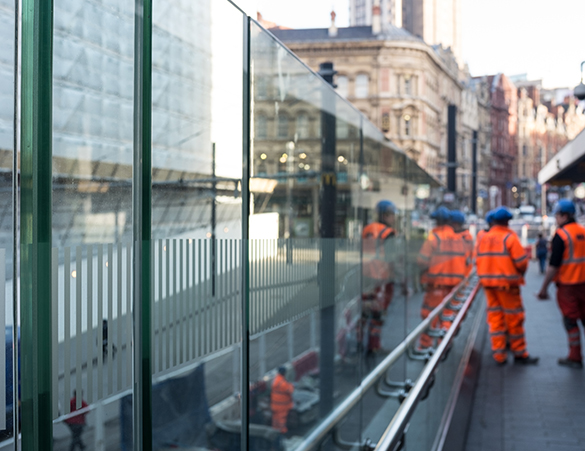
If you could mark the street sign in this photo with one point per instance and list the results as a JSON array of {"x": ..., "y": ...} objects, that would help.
[
  {"x": 449, "y": 197},
  {"x": 552, "y": 197}
]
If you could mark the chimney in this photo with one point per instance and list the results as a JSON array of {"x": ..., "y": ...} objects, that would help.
[
  {"x": 376, "y": 18},
  {"x": 333, "y": 27}
]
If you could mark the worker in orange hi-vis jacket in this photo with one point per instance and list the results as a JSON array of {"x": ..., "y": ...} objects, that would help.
[
  {"x": 567, "y": 269},
  {"x": 281, "y": 400},
  {"x": 377, "y": 267},
  {"x": 457, "y": 222},
  {"x": 439, "y": 261},
  {"x": 489, "y": 219},
  {"x": 501, "y": 263}
]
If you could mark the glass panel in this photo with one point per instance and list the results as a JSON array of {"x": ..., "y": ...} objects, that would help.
[
  {"x": 6, "y": 220},
  {"x": 197, "y": 223},
  {"x": 92, "y": 221},
  {"x": 285, "y": 245}
]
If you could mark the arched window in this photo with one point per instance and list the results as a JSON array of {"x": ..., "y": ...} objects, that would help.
[
  {"x": 261, "y": 127},
  {"x": 342, "y": 85},
  {"x": 303, "y": 125},
  {"x": 362, "y": 82},
  {"x": 282, "y": 127}
]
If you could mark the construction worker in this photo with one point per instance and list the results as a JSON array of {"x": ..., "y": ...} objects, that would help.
[
  {"x": 567, "y": 269},
  {"x": 501, "y": 263},
  {"x": 378, "y": 270},
  {"x": 281, "y": 400},
  {"x": 489, "y": 219},
  {"x": 438, "y": 262},
  {"x": 457, "y": 222}
]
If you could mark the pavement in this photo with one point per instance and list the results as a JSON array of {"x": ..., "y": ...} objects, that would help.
[{"x": 536, "y": 408}]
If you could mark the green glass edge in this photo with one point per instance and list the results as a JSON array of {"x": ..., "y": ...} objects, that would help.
[
  {"x": 35, "y": 220},
  {"x": 145, "y": 351},
  {"x": 246, "y": 158}
]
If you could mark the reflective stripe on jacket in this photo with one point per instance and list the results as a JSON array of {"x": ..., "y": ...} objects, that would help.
[
  {"x": 444, "y": 254},
  {"x": 572, "y": 269},
  {"x": 500, "y": 258},
  {"x": 375, "y": 264},
  {"x": 281, "y": 394}
]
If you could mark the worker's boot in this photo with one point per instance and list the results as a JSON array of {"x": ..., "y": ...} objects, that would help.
[
  {"x": 577, "y": 364},
  {"x": 528, "y": 360}
]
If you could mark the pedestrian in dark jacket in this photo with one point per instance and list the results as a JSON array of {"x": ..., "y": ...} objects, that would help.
[{"x": 542, "y": 252}]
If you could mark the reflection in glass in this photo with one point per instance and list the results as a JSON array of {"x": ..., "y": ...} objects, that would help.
[
  {"x": 92, "y": 218},
  {"x": 7, "y": 234}
]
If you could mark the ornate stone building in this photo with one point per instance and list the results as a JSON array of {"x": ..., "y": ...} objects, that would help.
[
  {"x": 402, "y": 84},
  {"x": 504, "y": 123},
  {"x": 475, "y": 117},
  {"x": 544, "y": 127}
]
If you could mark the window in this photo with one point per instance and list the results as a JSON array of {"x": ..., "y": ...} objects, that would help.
[
  {"x": 261, "y": 87},
  {"x": 342, "y": 129},
  {"x": 303, "y": 125},
  {"x": 282, "y": 127},
  {"x": 407, "y": 125},
  {"x": 362, "y": 82},
  {"x": 261, "y": 127},
  {"x": 342, "y": 85},
  {"x": 524, "y": 150},
  {"x": 408, "y": 85}
]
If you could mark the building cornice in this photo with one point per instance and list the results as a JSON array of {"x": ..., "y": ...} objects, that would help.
[{"x": 358, "y": 47}]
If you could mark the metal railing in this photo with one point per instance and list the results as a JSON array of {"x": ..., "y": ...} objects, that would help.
[
  {"x": 393, "y": 436},
  {"x": 336, "y": 416}
]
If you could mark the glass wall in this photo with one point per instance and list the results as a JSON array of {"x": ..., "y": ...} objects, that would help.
[
  {"x": 93, "y": 103},
  {"x": 261, "y": 176},
  {"x": 8, "y": 384}
]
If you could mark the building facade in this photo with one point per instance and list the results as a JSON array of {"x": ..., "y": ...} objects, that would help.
[
  {"x": 545, "y": 125},
  {"x": 436, "y": 22},
  {"x": 360, "y": 12},
  {"x": 403, "y": 85},
  {"x": 473, "y": 156},
  {"x": 504, "y": 123}
]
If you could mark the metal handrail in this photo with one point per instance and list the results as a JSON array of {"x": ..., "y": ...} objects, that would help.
[
  {"x": 393, "y": 434},
  {"x": 327, "y": 425}
]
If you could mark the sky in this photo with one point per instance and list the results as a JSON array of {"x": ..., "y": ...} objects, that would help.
[{"x": 541, "y": 38}]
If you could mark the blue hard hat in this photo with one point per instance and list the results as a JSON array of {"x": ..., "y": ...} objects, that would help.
[
  {"x": 457, "y": 217},
  {"x": 385, "y": 206},
  {"x": 565, "y": 206},
  {"x": 502, "y": 214},
  {"x": 489, "y": 217},
  {"x": 441, "y": 214}
]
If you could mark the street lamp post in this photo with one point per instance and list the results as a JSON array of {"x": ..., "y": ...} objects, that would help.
[
  {"x": 290, "y": 148},
  {"x": 327, "y": 229}
]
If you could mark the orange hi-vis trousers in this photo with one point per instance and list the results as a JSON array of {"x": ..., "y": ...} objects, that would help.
[
  {"x": 505, "y": 318},
  {"x": 433, "y": 297}
]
